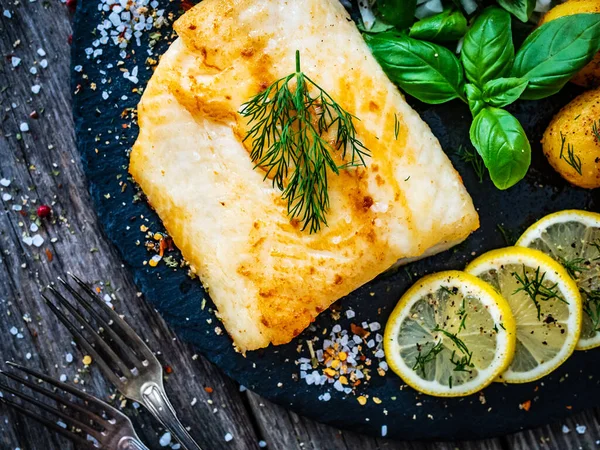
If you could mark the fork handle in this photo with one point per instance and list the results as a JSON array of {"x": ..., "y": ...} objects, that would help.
[
  {"x": 155, "y": 399},
  {"x": 131, "y": 443}
]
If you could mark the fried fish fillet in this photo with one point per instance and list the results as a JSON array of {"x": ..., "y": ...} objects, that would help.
[{"x": 268, "y": 278}]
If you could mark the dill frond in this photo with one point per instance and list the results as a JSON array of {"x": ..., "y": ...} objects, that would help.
[{"x": 287, "y": 123}]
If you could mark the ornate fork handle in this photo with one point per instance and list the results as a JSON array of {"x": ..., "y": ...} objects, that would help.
[
  {"x": 131, "y": 443},
  {"x": 155, "y": 399}
]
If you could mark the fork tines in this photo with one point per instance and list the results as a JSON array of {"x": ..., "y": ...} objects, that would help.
[
  {"x": 114, "y": 346},
  {"x": 80, "y": 421}
]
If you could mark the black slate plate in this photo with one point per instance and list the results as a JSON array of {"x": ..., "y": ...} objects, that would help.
[{"x": 104, "y": 142}]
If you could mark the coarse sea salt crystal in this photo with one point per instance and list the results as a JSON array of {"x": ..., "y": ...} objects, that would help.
[
  {"x": 6, "y": 197},
  {"x": 15, "y": 61},
  {"x": 383, "y": 430},
  {"x": 566, "y": 429},
  {"x": 36, "y": 88},
  {"x": 41, "y": 52},
  {"x": 165, "y": 439},
  {"x": 78, "y": 68},
  {"x": 38, "y": 240},
  {"x": 7, "y": 14},
  {"x": 228, "y": 437},
  {"x": 105, "y": 95},
  {"x": 24, "y": 127},
  {"x": 28, "y": 240},
  {"x": 33, "y": 71},
  {"x": 4, "y": 182},
  {"x": 350, "y": 314},
  {"x": 33, "y": 227},
  {"x": 14, "y": 331},
  {"x": 580, "y": 429},
  {"x": 44, "y": 63}
]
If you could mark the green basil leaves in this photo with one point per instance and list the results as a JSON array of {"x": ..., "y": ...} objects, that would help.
[
  {"x": 488, "y": 49},
  {"x": 446, "y": 26},
  {"x": 521, "y": 9},
  {"x": 555, "y": 52},
  {"x": 488, "y": 76},
  {"x": 501, "y": 141},
  {"x": 503, "y": 91},
  {"x": 422, "y": 69},
  {"x": 399, "y": 13}
]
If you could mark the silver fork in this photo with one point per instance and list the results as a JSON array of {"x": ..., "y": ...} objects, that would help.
[
  {"x": 108, "y": 426},
  {"x": 120, "y": 354}
]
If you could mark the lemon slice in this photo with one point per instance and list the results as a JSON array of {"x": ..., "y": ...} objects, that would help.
[
  {"x": 450, "y": 335},
  {"x": 545, "y": 303},
  {"x": 572, "y": 238}
]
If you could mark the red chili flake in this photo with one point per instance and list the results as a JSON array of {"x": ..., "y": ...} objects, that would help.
[
  {"x": 186, "y": 4},
  {"x": 359, "y": 331},
  {"x": 72, "y": 5},
  {"x": 34, "y": 115},
  {"x": 168, "y": 369},
  {"x": 44, "y": 211},
  {"x": 208, "y": 389},
  {"x": 49, "y": 255},
  {"x": 525, "y": 405},
  {"x": 569, "y": 407},
  {"x": 70, "y": 39}
]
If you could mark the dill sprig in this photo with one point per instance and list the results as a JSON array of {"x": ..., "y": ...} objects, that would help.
[
  {"x": 536, "y": 289},
  {"x": 462, "y": 364},
  {"x": 396, "y": 127},
  {"x": 423, "y": 358},
  {"x": 471, "y": 156},
  {"x": 591, "y": 306},
  {"x": 508, "y": 237},
  {"x": 462, "y": 315},
  {"x": 595, "y": 130},
  {"x": 574, "y": 266},
  {"x": 287, "y": 125},
  {"x": 572, "y": 159}
]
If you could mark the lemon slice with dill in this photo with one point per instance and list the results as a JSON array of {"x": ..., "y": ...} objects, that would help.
[
  {"x": 572, "y": 237},
  {"x": 450, "y": 335},
  {"x": 545, "y": 303}
]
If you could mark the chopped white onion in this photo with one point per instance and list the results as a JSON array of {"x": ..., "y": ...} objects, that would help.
[
  {"x": 429, "y": 8},
  {"x": 366, "y": 13}
]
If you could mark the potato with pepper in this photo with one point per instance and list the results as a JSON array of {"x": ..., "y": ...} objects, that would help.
[
  {"x": 589, "y": 76},
  {"x": 572, "y": 141}
]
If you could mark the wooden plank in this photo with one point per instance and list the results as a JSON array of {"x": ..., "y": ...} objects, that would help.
[
  {"x": 43, "y": 166},
  {"x": 579, "y": 432},
  {"x": 24, "y": 271},
  {"x": 286, "y": 430}
]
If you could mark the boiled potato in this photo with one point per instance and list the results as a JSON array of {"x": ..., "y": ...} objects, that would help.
[
  {"x": 589, "y": 76},
  {"x": 571, "y": 141}
]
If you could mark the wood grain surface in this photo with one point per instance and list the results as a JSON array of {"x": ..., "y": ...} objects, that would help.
[{"x": 43, "y": 167}]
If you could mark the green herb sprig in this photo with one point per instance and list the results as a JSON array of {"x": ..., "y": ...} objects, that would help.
[
  {"x": 463, "y": 363},
  {"x": 591, "y": 306},
  {"x": 423, "y": 358},
  {"x": 535, "y": 288},
  {"x": 287, "y": 123},
  {"x": 571, "y": 158}
]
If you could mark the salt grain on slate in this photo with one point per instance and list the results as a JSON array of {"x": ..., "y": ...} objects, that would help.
[
  {"x": 36, "y": 88},
  {"x": 228, "y": 437},
  {"x": 7, "y": 14},
  {"x": 165, "y": 439},
  {"x": 14, "y": 331},
  {"x": 6, "y": 197},
  {"x": 38, "y": 240},
  {"x": 4, "y": 182},
  {"x": 24, "y": 127},
  {"x": 15, "y": 61}
]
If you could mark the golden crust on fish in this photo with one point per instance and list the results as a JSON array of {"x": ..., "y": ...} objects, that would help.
[{"x": 268, "y": 278}]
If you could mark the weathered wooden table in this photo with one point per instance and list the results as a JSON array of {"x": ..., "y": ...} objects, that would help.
[{"x": 39, "y": 158}]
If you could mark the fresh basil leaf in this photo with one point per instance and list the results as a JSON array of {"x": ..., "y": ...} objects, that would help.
[
  {"x": 399, "y": 13},
  {"x": 503, "y": 91},
  {"x": 488, "y": 49},
  {"x": 555, "y": 52},
  {"x": 521, "y": 9},
  {"x": 474, "y": 98},
  {"x": 378, "y": 27},
  {"x": 427, "y": 71},
  {"x": 501, "y": 141},
  {"x": 446, "y": 26}
]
